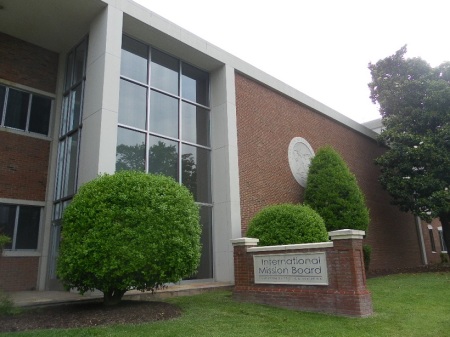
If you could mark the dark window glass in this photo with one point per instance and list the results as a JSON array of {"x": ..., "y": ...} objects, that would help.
[
  {"x": 163, "y": 157},
  {"x": 433, "y": 245},
  {"x": 164, "y": 72},
  {"x": 60, "y": 169},
  {"x": 195, "y": 123},
  {"x": 130, "y": 151},
  {"x": 71, "y": 165},
  {"x": 74, "y": 113},
  {"x": 40, "y": 115},
  {"x": 205, "y": 269},
  {"x": 28, "y": 227},
  {"x": 2, "y": 101},
  {"x": 163, "y": 114},
  {"x": 134, "y": 60},
  {"x": 132, "y": 105},
  {"x": 17, "y": 109},
  {"x": 64, "y": 116},
  {"x": 7, "y": 222},
  {"x": 195, "y": 84},
  {"x": 79, "y": 62},
  {"x": 195, "y": 168},
  {"x": 69, "y": 71}
]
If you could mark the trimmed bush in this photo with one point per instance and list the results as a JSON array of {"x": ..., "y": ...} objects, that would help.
[
  {"x": 4, "y": 240},
  {"x": 287, "y": 224},
  {"x": 130, "y": 230},
  {"x": 333, "y": 192}
]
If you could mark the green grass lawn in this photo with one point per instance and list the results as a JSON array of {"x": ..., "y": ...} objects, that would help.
[{"x": 404, "y": 305}]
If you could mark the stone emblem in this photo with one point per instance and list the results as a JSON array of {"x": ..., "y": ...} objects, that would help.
[{"x": 300, "y": 154}]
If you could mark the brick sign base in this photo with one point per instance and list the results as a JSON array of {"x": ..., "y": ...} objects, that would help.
[{"x": 344, "y": 294}]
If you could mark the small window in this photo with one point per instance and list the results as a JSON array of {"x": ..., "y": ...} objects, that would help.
[
  {"x": 441, "y": 240},
  {"x": 21, "y": 223},
  {"x": 433, "y": 245},
  {"x": 24, "y": 111}
]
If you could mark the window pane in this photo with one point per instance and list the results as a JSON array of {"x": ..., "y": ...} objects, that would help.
[
  {"x": 74, "y": 113},
  {"x": 130, "y": 151},
  {"x": 40, "y": 115},
  {"x": 195, "y": 124},
  {"x": 7, "y": 221},
  {"x": 71, "y": 161},
  {"x": 205, "y": 269},
  {"x": 164, "y": 72},
  {"x": 134, "y": 59},
  {"x": 163, "y": 114},
  {"x": 132, "y": 105},
  {"x": 60, "y": 169},
  {"x": 28, "y": 227},
  {"x": 163, "y": 157},
  {"x": 79, "y": 62},
  {"x": 2, "y": 101},
  {"x": 17, "y": 109},
  {"x": 64, "y": 115},
  {"x": 69, "y": 72},
  {"x": 195, "y": 85},
  {"x": 195, "y": 168}
]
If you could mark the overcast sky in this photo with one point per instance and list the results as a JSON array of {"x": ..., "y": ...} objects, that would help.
[{"x": 320, "y": 47}]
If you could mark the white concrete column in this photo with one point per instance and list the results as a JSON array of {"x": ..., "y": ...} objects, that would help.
[
  {"x": 225, "y": 172},
  {"x": 101, "y": 97}
]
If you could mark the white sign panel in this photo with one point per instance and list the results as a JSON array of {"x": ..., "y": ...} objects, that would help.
[{"x": 292, "y": 268}]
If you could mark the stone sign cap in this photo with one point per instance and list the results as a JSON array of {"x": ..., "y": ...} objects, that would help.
[{"x": 345, "y": 234}]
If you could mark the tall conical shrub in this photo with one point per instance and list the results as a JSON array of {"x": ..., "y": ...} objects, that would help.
[{"x": 333, "y": 192}]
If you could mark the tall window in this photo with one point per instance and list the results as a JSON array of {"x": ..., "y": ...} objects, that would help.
[
  {"x": 69, "y": 139},
  {"x": 441, "y": 240},
  {"x": 25, "y": 111},
  {"x": 21, "y": 224},
  {"x": 433, "y": 245},
  {"x": 164, "y": 125}
]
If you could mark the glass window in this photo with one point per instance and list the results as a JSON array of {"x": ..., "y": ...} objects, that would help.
[
  {"x": 130, "y": 152},
  {"x": 2, "y": 101},
  {"x": 134, "y": 60},
  {"x": 164, "y": 72},
  {"x": 195, "y": 85},
  {"x": 163, "y": 157},
  {"x": 71, "y": 162},
  {"x": 79, "y": 61},
  {"x": 69, "y": 71},
  {"x": 132, "y": 105},
  {"x": 17, "y": 109},
  {"x": 441, "y": 240},
  {"x": 205, "y": 269},
  {"x": 21, "y": 224},
  {"x": 195, "y": 168},
  {"x": 74, "y": 114},
  {"x": 163, "y": 114},
  {"x": 195, "y": 124},
  {"x": 40, "y": 115},
  {"x": 433, "y": 245}
]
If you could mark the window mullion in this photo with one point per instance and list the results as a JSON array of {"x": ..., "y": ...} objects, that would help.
[
  {"x": 5, "y": 104},
  {"x": 30, "y": 99},
  {"x": 180, "y": 126}
]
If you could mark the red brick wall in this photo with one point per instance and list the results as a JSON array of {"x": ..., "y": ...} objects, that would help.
[
  {"x": 266, "y": 123},
  {"x": 24, "y": 63},
  {"x": 18, "y": 273},
  {"x": 23, "y": 167},
  {"x": 433, "y": 257}
]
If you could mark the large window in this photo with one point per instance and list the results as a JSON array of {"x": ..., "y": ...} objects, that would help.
[
  {"x": 441, "y": 240},
  {"x": 21, "y": 224},
  {"x": 69, "y": 142},
  {"x": 164, "y": 125},
  {"x": 24, "y": 111}
]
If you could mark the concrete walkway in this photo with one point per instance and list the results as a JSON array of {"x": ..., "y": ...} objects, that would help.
[{"x": 44, "y": 298}]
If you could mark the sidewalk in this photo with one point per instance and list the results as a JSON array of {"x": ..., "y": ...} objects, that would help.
[{"x": 43, "y": 298}]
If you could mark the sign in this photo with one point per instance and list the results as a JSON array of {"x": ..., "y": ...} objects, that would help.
[{"x": 292, "y": 268}]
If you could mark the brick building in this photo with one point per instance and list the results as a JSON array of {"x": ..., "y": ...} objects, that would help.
[{"x": 85, "y": 84}]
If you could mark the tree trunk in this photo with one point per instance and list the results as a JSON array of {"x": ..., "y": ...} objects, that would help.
[
  {"x": 445, "y": 221},
  {"x": 113, "y": 297}
]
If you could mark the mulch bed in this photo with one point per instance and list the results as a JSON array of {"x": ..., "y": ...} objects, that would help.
[{"x": 88, "y": 314}]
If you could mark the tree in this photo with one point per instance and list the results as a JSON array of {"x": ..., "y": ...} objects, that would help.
[
  {"x": 333, "y": 192},
  {"x": 414, "y": 100},
  {"x": 287, "y": 224},
  {"x": 130, "y": 230}
]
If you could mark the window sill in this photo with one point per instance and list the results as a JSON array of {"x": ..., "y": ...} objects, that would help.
[{"x": 21, "y": 253}]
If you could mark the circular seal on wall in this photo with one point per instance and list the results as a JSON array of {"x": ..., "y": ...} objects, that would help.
[{"x": 300, "y": 154}]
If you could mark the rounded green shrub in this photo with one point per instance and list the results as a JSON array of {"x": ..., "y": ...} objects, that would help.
[
  {"x": 130, "y": 230},
  {"x": 333, "y": 192},
  {"x": 287, "y": 224}
]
